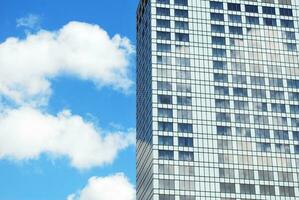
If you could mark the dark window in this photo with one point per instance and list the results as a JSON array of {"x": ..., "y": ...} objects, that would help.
[
  {"x": 185, "y": 142},
  {"x": 163, "y": 35},
  {"x": 165, "y": 126},
  {"x": 216, "y": 5},
  {"x": 251, "y": 9},
  {"x": 163, "y": 11},
  {"x": 185, "y": 128},
  {"x": 294, "y": 109},
  {"x": 287, "y": 23},
  {"x": 223, "y": 130},
  {"x": 293, "y": 83},
  {"x": 296, "y": 135},
  {"x": 294, "y": 96},
  {"x": 218, "y": 40},
  {"x": 181, "y": 13},
  {"x": 163, "y": 47},
  {"x": 181, "y": 2},
  {"x": 286, "y": 191},
  {"x": 262, "y": 133},
  {"x": 275, "y": 82},
  {"x": 165, "y": 99},
  {"x": 234, "y": 6},
  {"x": 223, "y": 78},
  {"x": 165, "y": 140},
  {"x": 281, "y": 135},
  {"x": 186, "y": 101},
  {"x": 163, "y": 23},
  {"x": 218, "y": 52},
  {"x": 227, "y": 188},
  {"x": 252, "y": 20},
  {"x": 217, "y": 28},
  {"x": 268, "y": 10},
  {"x": 219, "y": 65},
  {"x": 164, "y": 86},
  {"x": 247, "y": 189},
  {"x": 240, "y": 92},
  {"x": 165, "y": 155},
  {"x": 235, "y": 30},
  {"x": 278, "y": 108},
  {"x": 270, "y": 22},
  {"x": 182, "y": 37},
  {"x": 222, "y": 103},
  {"x": 223, "y": 117},
  {"x": 235, "y": 18},
  {"x": 286, "y": 11},
  {"x": 181, "y": 25},
  {"x": 219, "y": 90},
  {"x": 165, "y": 112},
  {"x": 217, "y": 17},
  {"x": 163, "y": 1}
]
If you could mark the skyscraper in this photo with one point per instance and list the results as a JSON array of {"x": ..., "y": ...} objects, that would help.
[{"x": 217, "y": 100}]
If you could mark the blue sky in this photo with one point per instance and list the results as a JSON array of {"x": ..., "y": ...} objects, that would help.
[{"x": 50, "y": 174}]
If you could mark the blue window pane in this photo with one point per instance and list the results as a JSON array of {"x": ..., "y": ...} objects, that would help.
[
  {"x": 165, "y": 112},
  {"x": 218, "y": 40},
  {"x": 223, "y": 78},
  {"x": 296, "y": 135},
  {"x": 185, "y": 142},
  {"x": 182, "y": 37},
  {"x": 281, "y": 135},
  {"x": 268, "y": 10},
  {"x": 165, "y": 155},
  {"x": 181, "y": 25},
  {"x": 286, "y": 12},
  {"x": 163, "y": 35},
  {"x": 163, "y": 23},
  {"x": 165, "y": 140},
  {"x": 218, "y": 52},
  {"x": 252, "y": 20},
  {"x": 185, "y": 128},
  {"x": 270, "y": 22},
  {"x": 235, "y": 18},
  {"x": 219, "y": 65},
  {"x": 181, "y": 13},
  {"x": 234, "y": 6},
  {"x": 163, "y": 47},
  {"x": 219, "y": 90},
  {"x": 216, "y": 5},
  {"x": 181, "y": 2},
  {"x": 165, "y": 99},
  {"x": 165, "y": 126},
  {"x": 223, "y": 130},
  {"x": 163, "y": 11},
  {"x": 166, "y": 86},
  {"x": 186, "y": 101},
  {"x": 236, "y": 30},
  {"x": 163, "y": 1},
  {"x": 262, "y": 133},
  {"x": 251, "y": 8},
  {"x": 287, "y": 23},
  {"x": 217, "y": 28},
  {"x": 217, "y": 17}
]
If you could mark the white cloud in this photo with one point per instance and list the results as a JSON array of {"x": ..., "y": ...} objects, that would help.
[
  {"x": 30, "y": 21},
  {"x": 116, "y": 187},
  {"x": 26, "y": 133},
  {"x": 78, "y": 49}
]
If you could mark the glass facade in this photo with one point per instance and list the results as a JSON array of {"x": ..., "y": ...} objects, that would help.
[{"x": 217, "y": 100}]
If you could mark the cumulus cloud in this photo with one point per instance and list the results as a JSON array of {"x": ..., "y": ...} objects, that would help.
[
  {"x": 106, "y": 188},
  {"x": 30, "y": 21},
  {"x": 78, "y": 49},
  {"x": 26, "y": 133}
]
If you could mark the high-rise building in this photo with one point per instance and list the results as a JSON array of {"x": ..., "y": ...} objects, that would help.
[{"x": 217, "y": 100}]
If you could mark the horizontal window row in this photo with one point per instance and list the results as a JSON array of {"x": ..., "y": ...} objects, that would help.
[
  {"x": 169, "y": 141},
  {"x": 264, "y": 189},
  {"x": 251, "y": 8},
  {"x": 173, "y": 197},
  {"x": 182, "y": 155},
  {"x": 176, "y": 2},
  {"x": 177, "y": 12},
  {"x": 182, "y": 37},
  {"x": 181, "y": 127},
  {"x": 163, "y": 23}
]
